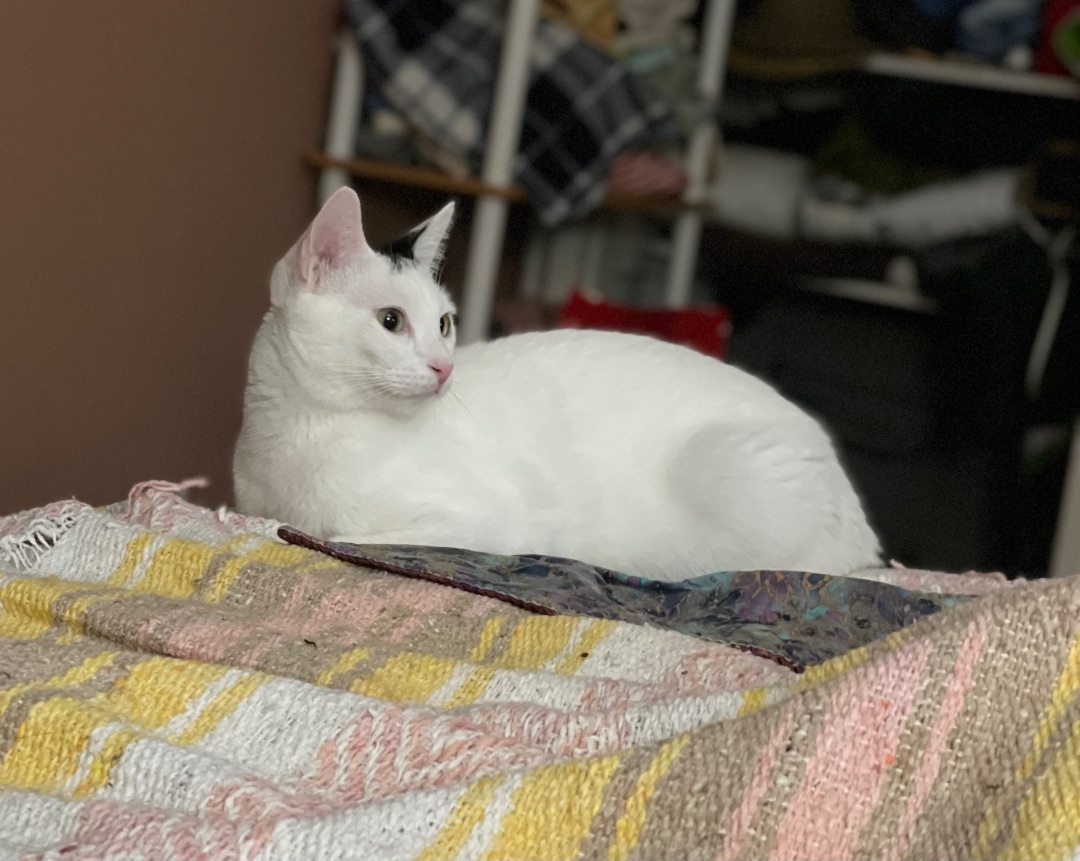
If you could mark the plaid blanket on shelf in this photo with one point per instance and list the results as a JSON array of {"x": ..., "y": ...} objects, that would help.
[
  {"x": 436, "y": 63},
  {"x": 178, "y": 683}
]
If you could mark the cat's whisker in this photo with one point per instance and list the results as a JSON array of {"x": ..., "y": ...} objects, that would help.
[{"x": 453, "y": 393}]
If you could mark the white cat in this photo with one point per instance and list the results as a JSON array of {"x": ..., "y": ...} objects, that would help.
[{"x": 618, "y": 450}]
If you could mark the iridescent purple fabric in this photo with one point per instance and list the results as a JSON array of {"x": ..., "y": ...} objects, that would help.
[{"x": 795, "y": 618}]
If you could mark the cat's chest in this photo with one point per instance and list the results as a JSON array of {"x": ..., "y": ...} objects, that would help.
[
  {"x": 380, "y": 460},
  {"x": 369, "y": 457},
  {"x": 383, "y": 474}
]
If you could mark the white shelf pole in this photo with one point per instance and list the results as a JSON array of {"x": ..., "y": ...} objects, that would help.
[
  {"x": 1065, "y": 560},
  {"x": 504, "y": 136},
  {"x": 712, "y": 64},
  {"x": 345, "y": 101}
]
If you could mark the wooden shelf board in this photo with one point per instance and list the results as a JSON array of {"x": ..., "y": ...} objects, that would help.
[
  {"x": 658, "y": 205},
  {"x": 435, "y": 180},
  {"x": 416, "y": 177}
]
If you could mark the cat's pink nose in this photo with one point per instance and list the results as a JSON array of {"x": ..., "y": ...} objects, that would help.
[{"x": 442, "y": 370}]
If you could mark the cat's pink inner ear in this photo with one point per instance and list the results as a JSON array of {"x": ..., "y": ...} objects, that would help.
[
  {"x": 298, "y": 259},
  {"x": 335, "y": 238}
]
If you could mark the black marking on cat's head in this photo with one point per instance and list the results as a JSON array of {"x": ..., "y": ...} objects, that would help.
[{"x": 400, "y": 250}]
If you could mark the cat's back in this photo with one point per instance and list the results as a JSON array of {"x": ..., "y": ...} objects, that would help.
[{"x": 614, "y": 370}]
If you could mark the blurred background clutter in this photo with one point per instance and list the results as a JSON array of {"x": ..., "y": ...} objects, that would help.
[{"x": 870, "y": 203}]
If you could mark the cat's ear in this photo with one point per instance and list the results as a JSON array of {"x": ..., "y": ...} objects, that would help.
[
  {"x": 334, "y": 240},
  {"x": 430, "y": 244}
]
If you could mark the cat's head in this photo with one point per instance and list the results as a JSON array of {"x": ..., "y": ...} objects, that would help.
[{"x": 357, "y": 328}]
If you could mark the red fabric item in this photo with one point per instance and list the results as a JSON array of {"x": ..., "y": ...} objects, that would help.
[
  {"x": 645, "y": 174},
  {"x": 706, "y": 330},
  {"x": 1054, "y": 14}
]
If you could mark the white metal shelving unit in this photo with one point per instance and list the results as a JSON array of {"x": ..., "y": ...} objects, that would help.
[
  {"x": 489, "y": 222},
  {"x": 712, "y": 65},
  {"x": 1065, "y": 559}
]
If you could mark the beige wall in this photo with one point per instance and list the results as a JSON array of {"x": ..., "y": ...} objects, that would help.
[{"x": 150, "y": 174}]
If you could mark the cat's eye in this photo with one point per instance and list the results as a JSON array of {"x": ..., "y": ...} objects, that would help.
[
  {"x": 392, "y": 319},
  {"x": 446, "y": 325}
]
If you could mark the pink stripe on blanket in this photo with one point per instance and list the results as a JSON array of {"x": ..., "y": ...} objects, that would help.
[
  {"x": 421, "y": 599},
  {"x": 963, "y": 676},
  {"x": 390, "y": 750},
  {"x": 760, "y": 781},
  {"x": 357, "y": 606},
  {"x": 215, "y": 639},
  {"x": 107, "y": 829},
  {"x": 724, "y": 668},
  {"x": 854, "y": 752},
  {"x": 207, "y": 640},
  {"x": 605, "y": 695}
]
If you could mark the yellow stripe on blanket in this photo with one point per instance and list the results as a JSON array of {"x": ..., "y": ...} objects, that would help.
[
  {"x": 50, "y": 743},
  {"x": 472, "y": 688},
  {"x": 54, "y": 738},
  {"x": 78, "y": 675},
  {"x": 409, "y": 677},
  {"x": 101, "y": 766},
  {"x": 590, "y": 638},
  {"x": 17, "y": 626},
  {"x": 176, "y": 568},
  {"x": 833, "y": 668},
  {"x": 1066, "y": 689},
  {"x": 487, "y": 639},
  {"x": 538, "y": 640},
  {"x": 159, "y": 689},
  {"x": 1048, "y": 821},
  {"x": 535, "y": 643},
  {"x": 753, "y": 701},
  {"x": 189, "y": 720},
  {"x": 628, "y": 828},
  {"x": 346, "y": 663},
  {"x": 466, "y": 815},
  {"x": 133, "y": 556},
  {"x": 220, "y": 707},
  {"x": 1068, "y": 685},
  {"x": 552, "y": 810},
  {"x": 479, "y": 677},
  {"x": 271, "y": 553},
  {"x": 30, "y": 605}
]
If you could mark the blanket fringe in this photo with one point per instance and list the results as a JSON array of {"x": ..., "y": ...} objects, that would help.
[
  {"x": 25, "y": 550},
  {"x": 175, "y": 487}
]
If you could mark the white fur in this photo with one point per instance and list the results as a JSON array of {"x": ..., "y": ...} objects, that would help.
[{"x": 618, "y": 450}]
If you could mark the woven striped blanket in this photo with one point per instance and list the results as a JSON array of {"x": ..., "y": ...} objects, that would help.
[{"x": 178, "y": 683}]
